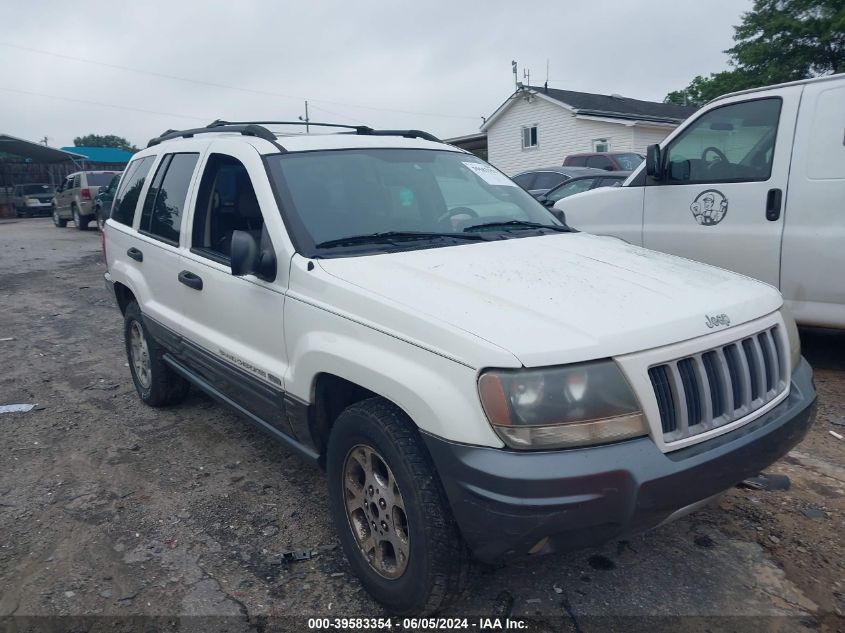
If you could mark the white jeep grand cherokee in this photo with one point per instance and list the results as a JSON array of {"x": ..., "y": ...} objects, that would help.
[{"x": 473, "y": 376}]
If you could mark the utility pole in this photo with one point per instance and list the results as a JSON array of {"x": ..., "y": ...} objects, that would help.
[{"x": 306, "y": 119}]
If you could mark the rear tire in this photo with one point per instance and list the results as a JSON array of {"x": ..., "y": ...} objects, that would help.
[
  {"x": 59, "y": 222},
  {"x": 157, "y": 385},
  {"x": 401, "y": 475},
  {"x": 79, "y": 219}
]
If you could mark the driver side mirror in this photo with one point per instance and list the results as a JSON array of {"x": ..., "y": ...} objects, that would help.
[
  {"x": 247, "y": 258},
  {"x": 653, "y": 165}
]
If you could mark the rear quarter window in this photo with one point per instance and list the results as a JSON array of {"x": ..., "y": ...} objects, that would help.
[{"x": 126, "y": 200}]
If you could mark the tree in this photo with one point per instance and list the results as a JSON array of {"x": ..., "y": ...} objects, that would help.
[
  {"x": 109, "y": 140},
  {"x": 777, "y": 41}
]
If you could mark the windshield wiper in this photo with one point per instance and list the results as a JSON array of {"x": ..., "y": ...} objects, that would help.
[
  {"x": 518, "y": 224},
  {"x": 395, "y": 236}
]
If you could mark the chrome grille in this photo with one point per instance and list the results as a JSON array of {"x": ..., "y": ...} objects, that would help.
[{"x": 718, "y": 386}]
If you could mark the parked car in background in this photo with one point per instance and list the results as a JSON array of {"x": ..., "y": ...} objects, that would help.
[
  {"x": 753, "y": 182},
  {"x": 104, "y": 198},
  {"x": 539, "y": 181},
  {"x": 472, "y": 374},
  {"x": 609, "y": 161},
  {"x": 32, "y": 199},
  {"x": 583, "y": 183},
  {"x": 74, "y": 199}
]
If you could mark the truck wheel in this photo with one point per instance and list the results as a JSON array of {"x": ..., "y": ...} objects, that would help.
[
  {"x": 79, "y": 219},
  {"x": 59, "y": 222},
  {"x": 391, "y": 512},
  {"x": 157, "y": 385}
]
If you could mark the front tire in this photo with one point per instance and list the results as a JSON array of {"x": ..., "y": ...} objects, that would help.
[
  {"x": 391, "y": 512},
  {"x": 59, "y": 222},
  {"x": 79, "y": 219},
  {"x": 157, "y": 385}
]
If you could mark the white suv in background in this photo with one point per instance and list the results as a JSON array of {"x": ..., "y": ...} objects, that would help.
[{"x": 473, "y": 375}]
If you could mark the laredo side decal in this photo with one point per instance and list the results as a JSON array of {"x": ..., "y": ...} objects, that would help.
[
  {"x": 717, "y": 320},
  {"x": 709, "y": 207},
  {"x": 249, "y": 367}
]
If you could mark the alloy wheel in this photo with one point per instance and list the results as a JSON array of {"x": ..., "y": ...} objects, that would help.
[
  {"x": 375, "y": 511},
  {"x": 140, "y": 354}
]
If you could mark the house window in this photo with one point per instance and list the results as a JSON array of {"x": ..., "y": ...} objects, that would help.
[
  {"x": 529, "y": 136},
  {"x": 601, "y": 145}
]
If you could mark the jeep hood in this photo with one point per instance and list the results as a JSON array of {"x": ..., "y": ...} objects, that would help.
[{"x": 552, "y": 299}]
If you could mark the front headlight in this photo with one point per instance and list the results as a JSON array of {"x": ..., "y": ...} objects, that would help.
[
  {"x": 792, "y": 337},
  {"x": 561, "y": 407}
]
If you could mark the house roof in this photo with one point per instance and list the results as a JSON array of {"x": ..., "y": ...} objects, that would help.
[
  {"x": 35, "y": 152},
  {"x": 102, "y": 154},
  {"x": 607, "y": 106}
]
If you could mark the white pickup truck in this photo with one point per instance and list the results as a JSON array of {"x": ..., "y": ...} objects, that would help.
[{"x": 753, "y": 182}]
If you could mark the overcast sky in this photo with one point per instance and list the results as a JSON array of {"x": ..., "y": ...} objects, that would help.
[{"x": 433, "y": 65}]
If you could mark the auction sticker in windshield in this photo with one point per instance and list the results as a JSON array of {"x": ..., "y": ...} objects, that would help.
[{"x": 490, "y": 175}]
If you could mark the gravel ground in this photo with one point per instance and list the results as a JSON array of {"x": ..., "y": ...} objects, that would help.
[{"x": 111, "y": 508}]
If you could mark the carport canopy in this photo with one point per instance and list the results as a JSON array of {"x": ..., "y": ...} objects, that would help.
[{"x": 33, "y": 152}]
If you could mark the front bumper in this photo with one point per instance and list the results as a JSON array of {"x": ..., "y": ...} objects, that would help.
[{"x": 509, "y": 503}]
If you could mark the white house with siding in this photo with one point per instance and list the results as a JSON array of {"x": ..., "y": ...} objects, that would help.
[{"x": 538, "y": 127}]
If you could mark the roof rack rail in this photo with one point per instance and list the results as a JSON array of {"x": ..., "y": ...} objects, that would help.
[
  {"x": 257, "y": 129},
  {"x": 358, "y": 129},
  {"x": 405, "y": 133},
  {"x": 248, "y": 129}
]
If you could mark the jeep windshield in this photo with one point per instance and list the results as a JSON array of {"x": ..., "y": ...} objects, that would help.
[{"x": 357, "y": 201}]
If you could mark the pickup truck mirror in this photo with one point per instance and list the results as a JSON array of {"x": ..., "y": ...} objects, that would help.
[
  {"x": 247, "y": 258},
  {"x": 560, "y": 215},
  {"x": 652, "y": 162}
]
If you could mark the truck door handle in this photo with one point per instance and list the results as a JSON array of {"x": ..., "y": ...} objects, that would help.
[
  {"x": 191, "y": 280},
  {"x": 135, "y": 254},
  {"x": 773, "y": 202}
]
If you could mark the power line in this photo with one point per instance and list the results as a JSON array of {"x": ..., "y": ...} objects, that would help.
[
  {"x": 212, "y": 84},
  {"x": 105, "y": 105}
]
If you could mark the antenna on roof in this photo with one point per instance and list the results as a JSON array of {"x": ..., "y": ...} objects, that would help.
[
  {"x": 546, "y": 85},
  {"x": 526, "y": 75},
  {"x": 515, "y": 82}
]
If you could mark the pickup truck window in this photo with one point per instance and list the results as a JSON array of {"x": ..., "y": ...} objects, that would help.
[
  {"x": 126, "y": 201},
  {"x": 329, "y": 195},
  {"x": 732, "y": 143}
]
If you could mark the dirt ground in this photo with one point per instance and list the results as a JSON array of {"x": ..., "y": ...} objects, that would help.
[{"x": 109, "y": 508}]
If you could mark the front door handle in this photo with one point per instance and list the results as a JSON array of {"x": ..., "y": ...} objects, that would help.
[
  {"x": 135, "y": 254},
  {"x": 191, "y": 280},
  {"x": 773, "y": 202}
]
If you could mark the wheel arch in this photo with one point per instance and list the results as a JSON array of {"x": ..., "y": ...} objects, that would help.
[{"x": 124, "y": 295}]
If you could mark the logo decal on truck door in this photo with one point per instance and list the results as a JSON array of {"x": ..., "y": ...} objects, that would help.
[{"x": 709, "y": 207}]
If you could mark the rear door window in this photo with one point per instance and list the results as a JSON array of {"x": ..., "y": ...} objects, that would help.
[
  {"x": 126, "y": 201},
  {"x": 162, "y": 213},
  {"x": 577, "y": 161},
  {"x": 99, "y": 180},
  {"x": 548, "y": 179},
  {"x": 525, "y": 180}
]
